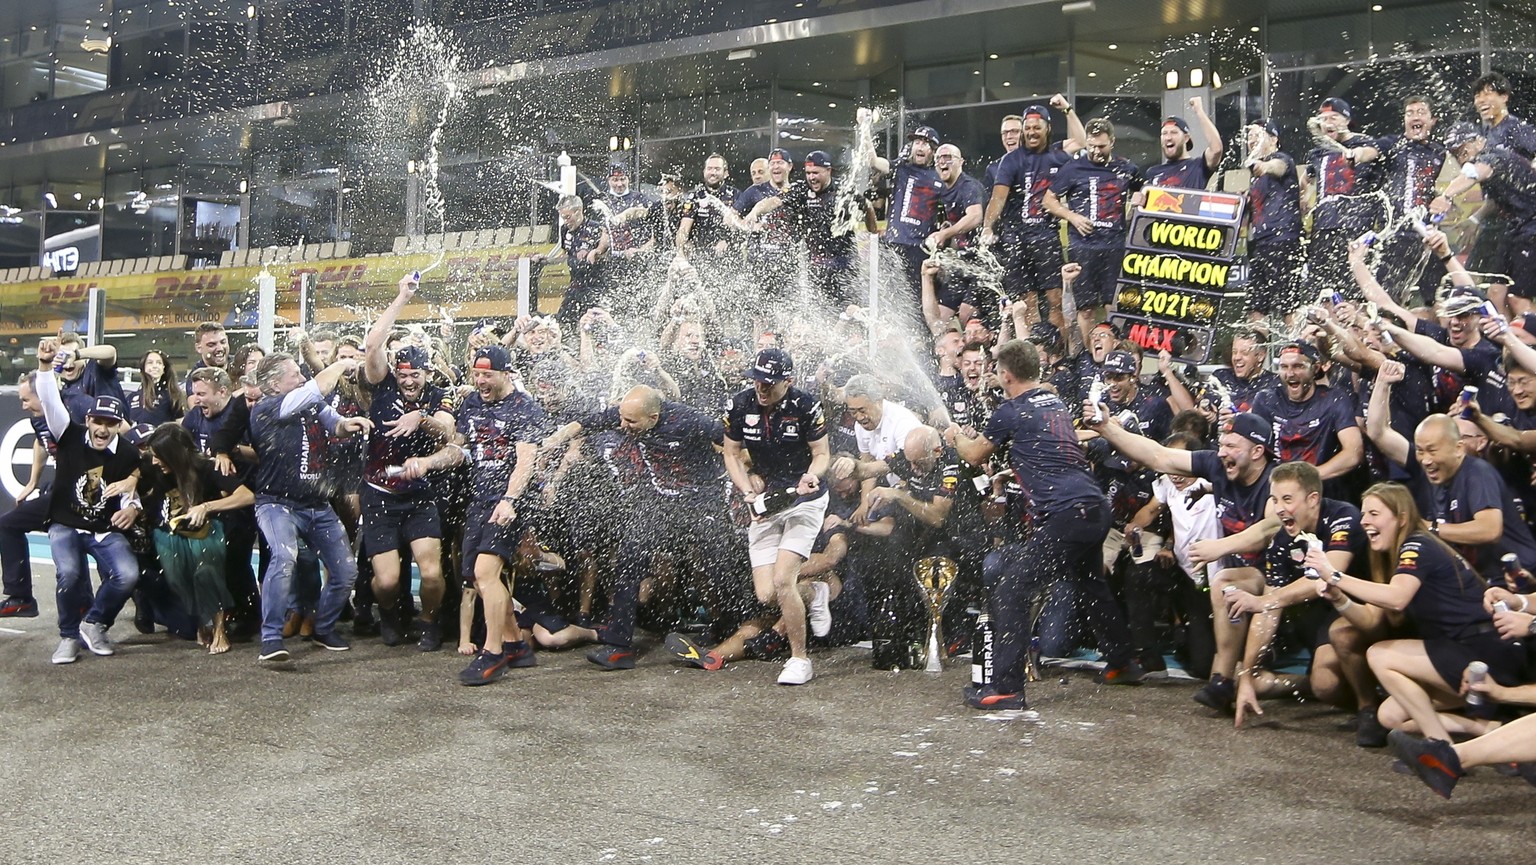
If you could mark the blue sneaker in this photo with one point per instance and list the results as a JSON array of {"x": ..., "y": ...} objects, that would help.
[
  {"x": 987, "y": 697},
  {"x": 332, "y": 641},
  {"x": 519, "y": 654},
  {"x": 613, "y": 657},
  {"x": 273, "y": 652},
  {"x": 486, "y": 668}
]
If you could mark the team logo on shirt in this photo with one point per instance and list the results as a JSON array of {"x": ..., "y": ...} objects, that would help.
[
  {"x": 89, "y": 501},
  {"x": 791, "y": 430},
  {"x": 751, "y": 419}
]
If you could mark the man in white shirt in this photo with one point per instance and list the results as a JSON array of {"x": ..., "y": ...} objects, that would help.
[{"x": 880, "y": 427}]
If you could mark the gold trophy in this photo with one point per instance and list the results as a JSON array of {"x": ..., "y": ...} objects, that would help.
[{"x": 935, "y": 576}]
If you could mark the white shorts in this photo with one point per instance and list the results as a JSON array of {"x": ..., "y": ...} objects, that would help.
[
  {"x": 1115, "y": 541},
  {"x": 794, "y": 529}
]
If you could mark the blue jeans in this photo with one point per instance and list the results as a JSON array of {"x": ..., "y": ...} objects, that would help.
[
  {"x": 283, "y": 524},
  {"x": 117, "y": 565}
]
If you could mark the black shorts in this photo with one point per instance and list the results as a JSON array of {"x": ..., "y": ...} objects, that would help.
[
  {"x": 1506, "y": 661},
  {"x": 483, "y": 536},
  {"x": 1520, "y": 264},
  {"x": 1328, "y": 260},
  {"x": 1031, "y": 263},
  {"x": 1274, "y": 283},
  {"x": 952, "y": 291},
  {"x": 1095, "y": 286},
  {"x": 392, "y": 522}
]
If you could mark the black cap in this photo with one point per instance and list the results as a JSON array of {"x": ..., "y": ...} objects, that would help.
[
  {"x": 1461, "y": 133},
  {"x": 772, "y": 365},
  {"x": 820, "y": 158},
  {"x": 492, "y": 357},
  {"x": 1253, "y": 428},
  {"x": 618, "y": 168},
  {"x": 1039, "y": 111},
  {"x": 1044, "y": 333},
  {"x": 1334, "y": 105},
  {"x": 109, "y": 407},
  {"x": 1268, "y": 126},
  {"x": 781, "y": 154},
  {"x": 1120, "y": 363},
  {"x": 1301, "y": 347},
  {"x": 1177, "y": 121},
  {"x": 138, "y": 434},
  {"x": 927, "y": 133},
  {"x": 412, "y": 357}
]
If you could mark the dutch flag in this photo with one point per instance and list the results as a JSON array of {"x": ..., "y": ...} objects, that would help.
[{"x": 1218, "y": 208}]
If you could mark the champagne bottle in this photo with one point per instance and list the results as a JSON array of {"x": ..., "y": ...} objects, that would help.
[
  {"x": 981, "y": 651},
  {"x": 770, "y": 503}
]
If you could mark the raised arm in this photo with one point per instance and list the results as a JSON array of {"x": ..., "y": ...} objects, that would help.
[
  {"x": 1139, "y": 448},
  {"x": 375, "y": 345},
  {"x": 1378, "y": 420}
]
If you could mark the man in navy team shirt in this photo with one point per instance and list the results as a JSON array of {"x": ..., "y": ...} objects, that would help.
[
  {"x": 1411, "y": 162},
  {"x": 290, "y": 427},
  {"x": 1245, "y": 375},
  {"x": 915, "y": 205},
  {"x": 814, "y": 214},
  {"x": 1509, "y": 182},
  {"x": 959, "y": 218},
  {"x": 770, "y": 251},
  {"x": 1459, "y": 350},
  {"x": 1091, "y": 193},
  {"x": 1490, "y": 98},
  {"x": 1071, "y": 518},
  {"x": 1313, "y": 422},
  {"x": 1274, "y": 224},
  {"x": 1342, "y": 174},
  {"x": 1178, "y": 167},
  {"x": 1011, "y": 133},
  {"x": 1016, "y": 215}
]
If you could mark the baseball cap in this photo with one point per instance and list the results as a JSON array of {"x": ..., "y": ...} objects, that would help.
[
  {"x": 1253, "y": 428},
  {"x": 1120, "y": 363},
  {"x": 1460, "y": 134},
  {"x": 925, "y": 132},
  {"x": 618, "y": 168},
  {"x": 1334, "y": 105},
  {"x": 109, "y": 407},
  {"x": 1305, "y": 349},
  {"x": 673, "y": 173},
  {"x": 1044, "y": 332},
  {"x": 412, "y": 357},
  {"x": 492, "y": 357},
  {"x": 1268, "y": 126},
  {"x": 1039, "y": 111},
  {"x": 819, "y": 158},
  {"x": 772, "y": 365},
  {"x": 138, "y": 434},
  {"x": 1175, "y": 120},
  {"x": 780, "y": 154}
]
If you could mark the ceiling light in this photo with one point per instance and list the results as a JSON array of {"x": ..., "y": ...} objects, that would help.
[
  {"x": 1253, "y": 29},
  {"x": 1172, "y": 79},
  {"x": 1113, "y": 46},
  {"x": 831, "y": 104},
  {"x": 1197, "y": 77},
  {"x": 742, "y": 54},
  {"x": 991, "y": 56},
  {"x": 1093, "y": 75},
  {"x": 1376, "y": 8},
  {"x": 1078, "y": 7}
]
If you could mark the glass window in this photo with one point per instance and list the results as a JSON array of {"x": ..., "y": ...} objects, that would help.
[
  {"x": 951, "y": 84},
  {"x": 26, "y": 81}
]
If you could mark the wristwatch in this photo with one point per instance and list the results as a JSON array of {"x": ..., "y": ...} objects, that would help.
[{"x": 1334, "y": 578}]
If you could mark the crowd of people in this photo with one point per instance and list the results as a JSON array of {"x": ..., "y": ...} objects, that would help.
[{"x": 713, "y": 441}]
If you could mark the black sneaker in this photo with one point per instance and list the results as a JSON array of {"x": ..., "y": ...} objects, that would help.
[
  {"x": 20, "y": 608},
  {"x": 686, "y": 650},
  {"x": 987, "y": 697},
  {"x": 1152, "y": 662},
  {"x": 1220, "y": 693},
  {"x": 431, "y": 636},
  {"x": 389, "y": 630},
  {"x": 519, "y": 654},
  {"x": 1129, "y": 673},
  {"x": 273, "y": 652},
  {"x": 332, "y": 641},
  {"x": 613, "y": 657},
  {"x": 363, "y": 624},
  {"x": 143, "y": 619},
  {"x": 1433, "y": 760},
  {"x": 486, "y": 668},
  {"x": 1368, "y": 731}
]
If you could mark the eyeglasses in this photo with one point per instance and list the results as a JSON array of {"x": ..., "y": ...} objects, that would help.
[{"x": 944, "y": 159}]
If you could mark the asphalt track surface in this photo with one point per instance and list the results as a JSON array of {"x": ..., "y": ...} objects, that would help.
[{"x": 166, "y": 754}]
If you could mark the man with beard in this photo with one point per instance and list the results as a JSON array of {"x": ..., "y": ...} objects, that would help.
[
  {"x": 212, "y": 346},
  {"x": 1459, "y": 349},
  {"x": 784, "y": 434},
  {"x": 960, "y": 206},
  {"x": 1090, "y": 193},
  {"x": 1178, "y": 168},
  {"x": 1274, "y": 224},
  {"x": 1412, "y": 163},
  {"x": 914, "y": 207},
  {"x": 1238, "y": 471},
  {"x": 1508, "y": 181},
  {"x": 500, "y": 428},
  {"x": 630, "y": 241},
  {"x": 1313, "y": 422},
  {"x": 701, "y": 233},
  {"x": 1246, "y": 375},
  {"x": 1342, "y": 173},
  {"x": 668, "y": 473},
  {"x": 1016, "y": 215},
  {"x": 770, "y": 251},
  {"x": 815, "y": 214},
  {"x": 399, "y": 507},
  {"x": 30, "y": 513},
  {"x": 583, "y": 244}
]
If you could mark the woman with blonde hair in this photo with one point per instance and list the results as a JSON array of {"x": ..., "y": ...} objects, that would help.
[{"x": 1418, "y": 577}]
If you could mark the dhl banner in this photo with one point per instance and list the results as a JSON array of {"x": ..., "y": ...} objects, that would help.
[{"x": 471, "y": 283}]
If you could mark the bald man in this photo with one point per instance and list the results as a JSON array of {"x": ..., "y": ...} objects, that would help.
[
  {"x": 668, "y": 468},
  {"x": 1464, "y": 499},
  {"x": 960, "y": 210}
]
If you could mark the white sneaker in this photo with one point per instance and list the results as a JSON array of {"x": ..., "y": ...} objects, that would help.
[
  {"x": 797, "y": 671},
  {"x": 95, "y": 638},
  {"x": 68, "y": 651},
  {"x": 820, "y": 610}
]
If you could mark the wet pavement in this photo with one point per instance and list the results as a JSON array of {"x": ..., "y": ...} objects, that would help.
[{"x": 165, "y": 754}]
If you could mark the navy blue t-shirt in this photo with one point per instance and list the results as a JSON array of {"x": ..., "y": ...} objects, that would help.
[
  {"x": 203, "y": 428},
  {"x": 1028, "y": 174},
  {"x": 1243, "y": 390},
  {"x": 956, "y": 199},
  {"x": 1188, "y": 173},
  {"x": 1099, "y": 192},
  {"x": 674, "y": 458},
  {"x": 491, "y": 431},
  {"x": 159, "y": 410},
  {"x": 94, "y": 381},
  {"x": 777, "y": 437},
  {"x": 777, "y": 234},
  {"x": 1475, "y": 487},
  {"x": 387, "y": 406},
  {"x": 915, "y": 204},
  {"x": 1274, "y": 204},
  {"x": 291, "y": 451},
  {"x": 1449, "y": 601},
  {"x": 578, "y": 241},
  {"x": 1412, "y": 169},
  {"x": 1512, "y": 186},
  {"x": 1338, "y": 527},
  {"x": 1237, "y": 506},
  {"x": 1340, "y": 184},
  {"x": 1512, "y": 133},
  {"x": 1035, "y": 428},
  {"x": 626, "y": 235},
  {"x": 812, "y": 216},
  {"x": 1307, "y": 431}
]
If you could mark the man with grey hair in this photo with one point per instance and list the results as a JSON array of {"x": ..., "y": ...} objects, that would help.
[
  {"x": 584, "y": 245},
  {"x": 291, "y": 427},
  {"x": 880, "y": 429}
]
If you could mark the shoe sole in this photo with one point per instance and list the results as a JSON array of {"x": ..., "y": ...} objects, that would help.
[
  {"x": 806, "y": 680},
  {"x": 20, "y": 614},
  {"x": 105, "y": 652},
  {"x": 62, "y": 661},
  {"x": 496, "y": 675},
  {"x": 330, "y": 648},
  {"x": 611, "y": 664},
  {"x": 684, "y": 650}
]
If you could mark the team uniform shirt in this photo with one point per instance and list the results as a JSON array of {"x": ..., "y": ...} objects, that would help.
[
  {"x": 673, "y": 459},
  {"x": 492, "y": 431},
  {"x": 1028, "y": 175},
  {"x": 94, "y": 381},
  {"x": 955, "y": 200},
  {"x": 576, "y": 242},
  {"x": 777, "y": 238},
  {"x": 1099, "y": 192},
  {"x": 1243, "y": 390},
  {"x": 813, "y": 215},
  {"x": 632, "y": 234},
  {"x": 291, "y": 448},
  {"x": 1274, "y": 205},
  {"x": 44, "y": 435},
  {"x": 1412, "y": 169},
  {"x": 1086, "y": 370},
  {"x": 1412, "y": 400},
  {"x": 1449, "y": 600},
  {"x": 1188, "y": 173},
  {"x": 661, "y": 222},
  {"x": 1513, "y": 134},
  {"x": 778, "y": 437},
  {"x": 960, "y": 402},
  {"x": 1340, "y": 185},
  {"x": 1476, "y": 487},
  {"x": 1309, "y": 430},
  {"x": 160, "y": 410},
  {"x": 388, "y": 406},
  {"x": 1512, "y": 186},
  {"x": 1035, "y": 429},
  {"x": 1193, "y": 518},
  {"x": 1338, "y": 527},
  {"x": 1238, "y": 506},
  {"x": 704, "y": 205},
  {"x": 915, "y": 204}
]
